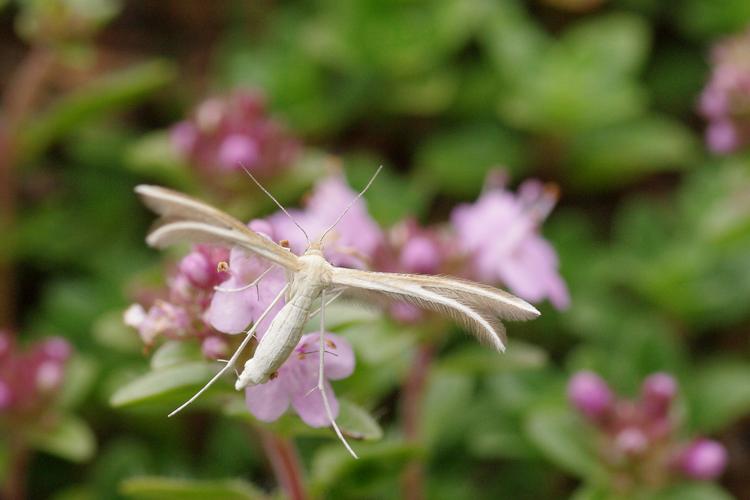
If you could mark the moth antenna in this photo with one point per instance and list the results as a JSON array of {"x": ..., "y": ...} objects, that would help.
[
  {"x": 351, "y": 204},
  {"x": 277, "y": 202},
  {"x": 229, "y": 364},
  {"x": 321, "y": 377}
]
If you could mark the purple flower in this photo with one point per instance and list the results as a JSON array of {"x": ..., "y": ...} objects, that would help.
[
  {"x": 499, "y": 233},
  {"x": 631, "y": 441},
  {"x": 214, "y": 347},
  {"x": 703, "y": 459},
  {"x": 238, "y": 149},
  {"x": 230, "y": 132},
  {"x": 232, "y": 311},
  {"x": 162, "y": 319},
  {"x": 657, "y": 393},
  {"x": 725, "y": 101},
  {"x": 30, "y": 379},
  {"x": 590, "y": 395},
  {"x": 297, "y": 376},
  {"x": 355, "y": 239}
]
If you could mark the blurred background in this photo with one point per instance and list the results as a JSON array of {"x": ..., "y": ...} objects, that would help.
[{"x": 633, "y": 116}]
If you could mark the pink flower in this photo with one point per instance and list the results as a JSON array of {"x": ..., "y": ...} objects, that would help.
[
  {"x": 30, "y": 379},
  {"x": 231, "y": 132},
  {"x": 297, "y": 376},
  {"x": 232, "y": 311},
  {"x": 200, "y": 266},
  {"x": 631, "y": 441},
  {"x": 500, "y": 235},
  {"x": 704, "y": 459},
  {"x": 725, "y": 102},
  {"x": 590, "y": 395},
  {"x": 657, "y": 393},
  {"x": 162, "y": 319},
  {"x": 355, "y": 239}
]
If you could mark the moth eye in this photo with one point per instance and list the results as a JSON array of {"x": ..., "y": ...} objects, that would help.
[
  {"x": 222, "y": 267},
  {"x": 284, "y": 243},
  {"x": 273, "y": 375}
]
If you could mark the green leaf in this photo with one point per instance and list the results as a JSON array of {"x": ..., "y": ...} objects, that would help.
[
  {"x": 356, "y": 422},
  {"x": 614, "y": 44},
  {"x": 69, "y": 438},
  {"x": 718, "y": 394},
  {"x": 111, "y": 332},
  {"x": 175, "y": 352},
  {"x": 446, "y": 403},
  {"x": 642, "y": 147},
  {"x": 693, "y": 491},
  {"x": 565, "y": 440},
  {"x": 168, "y": 384},
  {"x": 458, "y": 160},
  {"x": 708, "y": 19},
  {"x": 154, "y": 156},
  {"x": 80, "y": 375},
  {"x": 103, "y": 96},
  {"x": 477, "y": 359},
  {"x": 333, "y": 467},
  {"x": 166, "y": 488}
]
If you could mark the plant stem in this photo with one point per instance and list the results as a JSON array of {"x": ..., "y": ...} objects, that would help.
[
  {"x": 285, "y": 463},
  {"x": 412, "y": 407},
  {"x": 18, "y": 460},
  {"x": 18, "y": 100}
]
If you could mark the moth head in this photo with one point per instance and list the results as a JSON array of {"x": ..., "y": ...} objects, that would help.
[{"x": 315, "y": 248}]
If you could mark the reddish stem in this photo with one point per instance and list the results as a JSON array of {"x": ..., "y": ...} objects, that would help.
[
  {"x": 18, "y": 460},
  {"x": 412, "y": 407},
  {"x": 21, "y": 94},
  {"x": 285, "y": 463}
]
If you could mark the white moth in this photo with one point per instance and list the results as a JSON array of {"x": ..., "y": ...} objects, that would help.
[{"x": 311, "y": 278}]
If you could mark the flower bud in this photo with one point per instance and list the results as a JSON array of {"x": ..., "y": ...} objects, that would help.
[
  {"x": 49, "y": 375},
  {"x": 631, "y": 441},
  {"x": 657, "y": 393},
  {"x": 590, "y": 395},
  {"x": 6, "y": 344},
  {"x": 214, "y": 347},
  {"x": 704, "y": 459},
  {"x": 6, "y": 396},
  {"x": 420, "y": 255},
  {"x": 197, "y": 269},
  {"x": 238, "y": 150},
  {"x": 56, "y": 348}
]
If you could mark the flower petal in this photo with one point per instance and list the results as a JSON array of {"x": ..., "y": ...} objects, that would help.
[
  {"x": 309, "y": 406},
  {"x": 230, "y": 312},
  {"x": 267, "y": 402},
  {"x": 339, "y": 357}
]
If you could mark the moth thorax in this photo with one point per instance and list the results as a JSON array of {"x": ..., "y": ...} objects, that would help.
[{"x": 315, "y": 270}]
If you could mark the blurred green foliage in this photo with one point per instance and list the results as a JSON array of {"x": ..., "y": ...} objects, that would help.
[{"x": 653, "y": 236}]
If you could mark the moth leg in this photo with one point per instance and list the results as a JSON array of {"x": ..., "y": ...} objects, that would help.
[
  {"x": 230, "y": 363},
  {"x": 245, "y": 287},
  {"x": 330, "y": 301},
  {"x": 321, "y": 376}
]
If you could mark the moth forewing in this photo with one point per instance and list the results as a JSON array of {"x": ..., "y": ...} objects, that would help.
[
  {"x": 185, "y": 219},
  {"x": 476, "y": 306}
]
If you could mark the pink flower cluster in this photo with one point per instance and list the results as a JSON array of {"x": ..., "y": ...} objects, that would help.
[
  {"x": 30, "y": 378},
  {"x": 227, "y": 133},
  {"x": 725, "y": 102},
  {"x": 495, "y": 240},
  {"x": 181, "y": 315},
  {"x": 639, "y": 437}
]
